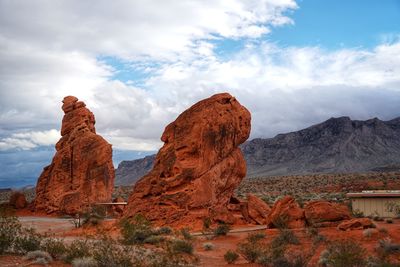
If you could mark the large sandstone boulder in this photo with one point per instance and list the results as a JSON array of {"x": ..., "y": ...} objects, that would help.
[
  {"x": 82, "y": 170},
  {"x": 317, "y": 212},
  {"x": 18, "y": 200},
  {"x": 199, "y": 166},
  {"x": 286, "y": 212},
  {"x": 257, "y": 209}
]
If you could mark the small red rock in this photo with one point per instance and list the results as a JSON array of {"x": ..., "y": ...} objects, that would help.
[
  {"x": 356, "y": 223},
  {"x": 324, "y": 211},
  {"x": 258, "y": 210},
  {"x": 286, "y": 211},
  {"x": 18, "y": 200}
]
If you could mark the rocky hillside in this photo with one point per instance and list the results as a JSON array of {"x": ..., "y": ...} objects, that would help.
[
  {"x": 338, "y": 145},
  {"x": 129, "y": 171}
]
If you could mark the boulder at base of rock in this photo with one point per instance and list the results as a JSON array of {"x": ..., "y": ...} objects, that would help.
[
  {"x": 286, "y": 213},
  {"x": 320, "y": 211},
  {"x": 81, "y": 172},
  {"x": 257, "y": 209},
  {"x": 356, "y": 223},
  {"x": 18, "y": 200},
  {"x": 199, "y": 166}
]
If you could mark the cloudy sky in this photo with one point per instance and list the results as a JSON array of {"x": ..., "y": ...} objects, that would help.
[{"x": 137, "y": 64}]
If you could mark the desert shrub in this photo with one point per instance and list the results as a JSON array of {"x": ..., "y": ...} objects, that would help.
[
  {"x": 186, "y": 234},
  {"x": 135, "y": 231},
  {"x": 182, "y": 246},
  {"x": 251, "y": 251},
  {"x": 84, "y": 262},
  {"x": 78, "y": 249},
  {"x": 207, "y": 223},
  {"x": 343, "y": 253},
  {"x": 281, "y": 222},
  {"x": 222, "y": 229},
  {"x": 40, "y": 261},
  {"x": 108, "y": 253},
  {"x": 55, "y": 247},
  {"x": 154, "y": 239},
  {"x": 9, "y": 229},
  {"x": 386, "y": 247},
  {"x": 383, "y": 230},
  {"x": 208, "y": 246},
  {"x": 27, "y": 240},
  {"x": 231, "y": 256},
  {"x": 286, "y": 236},
  {"x": 254, "y": 237},
  {"x": 37, "y": 254},
  {"x": 94, "y": 215},
  {"x": 388, "y": 220},
  {"x": 358, "y": 213},
  {"x": 315, "y": 236},
  {"x": 165, "y": 230},
  {"x": 393, "y": 207},
  {"x": 368, "y": 233}
]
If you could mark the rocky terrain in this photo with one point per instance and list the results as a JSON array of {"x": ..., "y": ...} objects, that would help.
[
  {"x": 129, "y": 171},
  {"x": 338, "y": 145},
  {"x": 81, "y": 172}
]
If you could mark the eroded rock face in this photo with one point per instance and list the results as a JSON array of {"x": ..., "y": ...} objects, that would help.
[
  {"x": 199, "y": 166},
  {"x": 18, "y": 200},
  {"x": 82, "y": 171},
  {"x": 286, "y": 212},
  {"x": 317, "y": 212}
]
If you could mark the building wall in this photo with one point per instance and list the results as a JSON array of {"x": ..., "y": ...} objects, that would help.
[{"x": 371, "y": 205}]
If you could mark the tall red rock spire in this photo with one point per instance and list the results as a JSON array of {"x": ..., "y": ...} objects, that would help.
[
  {"x": 82, "y": 171},
  {"x": 199, "y": 166}
]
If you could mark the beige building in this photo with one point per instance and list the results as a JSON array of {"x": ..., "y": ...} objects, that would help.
[{"x": 375, "y": 202}]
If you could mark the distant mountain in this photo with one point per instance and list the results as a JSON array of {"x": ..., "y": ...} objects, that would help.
[
  {"x": 129, "y": 171},
  {"x": 338, "y": 145}
]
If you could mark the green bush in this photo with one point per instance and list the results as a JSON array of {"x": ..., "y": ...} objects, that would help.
[
  {"x": 231, "y": 256},
  {"x": 55, "y": 247},
  {"x": 182, "y": 246},
  {"x": 27, "y": 240},
  {"x": 78, "y": 249},
  {"x": 154, "y": 239},
  {"x": 343, "y": 253},
  {"x": 37, "y": 254},
  {"x": 222, "y": 229},
  {"x": 251, "y": 251},
  {"x": 208, "y": 246},
  {"x": 135, "y": 231},
  {"x": 254, "y": 237},
  {"x": 165, "y": 230},
  {"x": 10, "y": 227},
  {"x": 285, "y": 237},
  {"x": 358, "y": 213},
  {"x": 108, "y": 253},
  {"x": 186, "y": 234}
]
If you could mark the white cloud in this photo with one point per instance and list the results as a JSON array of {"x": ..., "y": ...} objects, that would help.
[
  {"x": 29, "y": 140},
  {"x": 48, "y": 51}
]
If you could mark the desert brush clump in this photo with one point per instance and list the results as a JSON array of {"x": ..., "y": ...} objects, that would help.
[
  {"x": 181, "y": 246},
  {"x": 54, "y": 246},
  {"x": 84, "y": 262},
  {"x": 9, "y": 229},
  {"x": 135, "y": 230},
  {"x": 27, "y": 240},
  {"x": 368, "y": 233},
  {"x": 208, "y": 246},
  {"x": 343, "y": 253},
  {"x": 78, "y": 249},
  {"x": 251, "y": 249},
  {"x": 39, "y": 257},
  {"x": 222, "y": 229},
  {"x": 231, "y": 256}
]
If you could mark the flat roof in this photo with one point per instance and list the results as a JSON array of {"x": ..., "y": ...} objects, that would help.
[{"x": 375, "y": 193}]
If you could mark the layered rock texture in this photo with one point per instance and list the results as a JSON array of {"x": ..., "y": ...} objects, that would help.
[
  {"x": 338, "y": 145},
  {"x": 199, "y": 166},
  {"x": 319, "y": 212},
  {"x": 81, "y": 172}
]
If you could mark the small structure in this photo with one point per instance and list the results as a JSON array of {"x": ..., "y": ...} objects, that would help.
[{"x": 375, "y": 202}]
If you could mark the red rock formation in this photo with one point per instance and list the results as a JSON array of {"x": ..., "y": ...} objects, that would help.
[
  {"x": 257, "y": 209},
  {"x": 82, "y": 170},
  {"x": 18, "y": 200},
  {"x": 199, "y": 166},
  {"x": 356, "y": 223},
  {"x": 286, "y": 212},
  {"x": 317, "y": 212}
]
